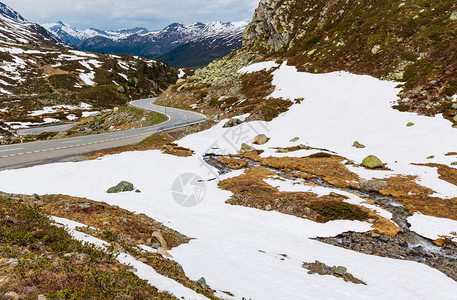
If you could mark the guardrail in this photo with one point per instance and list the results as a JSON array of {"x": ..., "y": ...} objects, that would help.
[{"x": 178, "y": 125}]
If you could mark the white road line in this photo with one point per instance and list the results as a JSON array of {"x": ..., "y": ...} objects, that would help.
[
  {"x": 7, "y": 150},
  {"x": 71, "y": 142}
]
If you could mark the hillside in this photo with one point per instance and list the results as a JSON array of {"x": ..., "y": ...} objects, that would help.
[
  {"x": 180, "y": 45},
  {"x": 410, "y": 42},
  {"x": 43, "y": 82}
]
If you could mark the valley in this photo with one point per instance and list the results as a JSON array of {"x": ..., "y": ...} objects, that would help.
[{"x": 316, "y": 159}]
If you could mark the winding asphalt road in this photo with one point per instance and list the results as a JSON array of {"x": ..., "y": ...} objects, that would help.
[{"x": 21, "y": 155}]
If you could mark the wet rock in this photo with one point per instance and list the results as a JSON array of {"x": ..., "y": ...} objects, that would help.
[
  {"x": 261, "y": 139},
  {"x": 372, "y": 162},
  {"x": 358, "y": 145},
  {"x": 202, "y": 283},
  {"x": 372, "y": 185},
  {"x": 123, "y": 186},
  {"x": 232, "y": 123}
]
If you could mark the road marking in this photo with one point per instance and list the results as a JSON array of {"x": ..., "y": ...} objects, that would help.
[
  {"x": 71, "y": 142},
  {"x": 7, "y": 150}
]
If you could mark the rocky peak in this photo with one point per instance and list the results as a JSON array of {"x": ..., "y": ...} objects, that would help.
[{"x": 8, "y": 12}]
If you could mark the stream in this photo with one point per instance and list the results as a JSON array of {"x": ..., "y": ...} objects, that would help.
[{"x": 406, "y": 245}]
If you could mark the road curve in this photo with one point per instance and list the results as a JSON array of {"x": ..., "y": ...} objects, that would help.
[{"x": 21, "y": 154}]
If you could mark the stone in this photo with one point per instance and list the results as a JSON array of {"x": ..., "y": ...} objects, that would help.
[
  {"x": 137, "y": 191},
  {"x": 372, "y": 185},
  {"x": 358, "y": 145},
  {"x": 310, "y": 272},
  {"x": 453, "y": 16},
  {"x": 375, "y": 49},
  {"x": 6, "y": 196},
  {"x": 410, "y": 124},
  {"x": 82, "y": 129},
  {"x": 268, "y": 207},
  {"x": 372, "y": 162},
  {"x": 261, "y": 139},
  {"x": 202, "y": 282},
  {"x": 42, "y": 297},
  {"x": 454, "y": 106},
  {"x": 431, "y": 157},
  {"x": 123, "y": 186},
  {"x": 36, "y": 197},
  {"x": 455, "y": 119},
  {"x": 246, "y": 148},
  {"x": 294, "y": 139},
  {"x": 384, "y": 238},
  {"x": 85, "y": 205},
  {"x": 454, "y": 163},
  {"x": 340, "y": 270},
  {"x": 282, "y": 150},
  {"x": 180, "y": 268},
  {"x": 232, "y": 123},
  {"x": 155, "y": 246}
]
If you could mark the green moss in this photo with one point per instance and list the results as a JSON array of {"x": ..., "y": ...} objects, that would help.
[{"x": 330, "y": 211}]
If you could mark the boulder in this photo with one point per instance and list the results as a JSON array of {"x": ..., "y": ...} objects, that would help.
[
  {"x": 372, "y": 185},
  {"x": 372, "y": 162},
  {"x": 122, "y": 186},
  {"x": 261, "y": 139},
  {"x": 246, "y": 148},
  {"x": 340, "y": 270},
  {"x": 36, "y": 197},
  {"x": 358, "y": 145},
  {"x": 453, "y": 16},
  {"x": 232, "y": 123},
  {"x": 202, "y": 283}
]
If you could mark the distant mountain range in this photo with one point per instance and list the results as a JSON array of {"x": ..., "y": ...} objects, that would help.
[{"x": 180, "y": 45}]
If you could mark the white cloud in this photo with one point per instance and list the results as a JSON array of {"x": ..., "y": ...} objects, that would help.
[{"x": 113, "y": 14}]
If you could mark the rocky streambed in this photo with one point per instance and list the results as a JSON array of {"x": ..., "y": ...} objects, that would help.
[{"x": 406, "y": 245}]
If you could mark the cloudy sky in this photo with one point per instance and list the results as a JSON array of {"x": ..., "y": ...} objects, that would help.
[{"x": 115, "y": 14}]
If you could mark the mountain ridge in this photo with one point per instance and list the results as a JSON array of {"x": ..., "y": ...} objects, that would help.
[{"x": 187, "y": 40}]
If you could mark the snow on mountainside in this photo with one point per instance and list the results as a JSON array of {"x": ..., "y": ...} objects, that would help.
[
  {"x": 14, "y": 28},
  {"x": 74, "y": 36}
]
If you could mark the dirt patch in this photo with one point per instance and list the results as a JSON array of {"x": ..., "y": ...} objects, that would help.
[
  {"x": 251, "y": 190},
  {"x": 232, "y": 163},
  {"x": 138, "y": 227},
  {"x": 417, "y": 198},
  {"x": 330, "y": 168}
]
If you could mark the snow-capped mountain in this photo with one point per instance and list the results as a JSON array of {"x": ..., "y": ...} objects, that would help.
[
  {"x": 15, "y": 28},
  {"x": 181, "y": 45},
  {"x": 73, "y": 36}
]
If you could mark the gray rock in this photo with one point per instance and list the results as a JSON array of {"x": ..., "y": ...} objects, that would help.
[
  {"x": 372, "y": 185},
  {"x": 122, "y": 186},
  {"x": 340, "y": 270},
  {"x": 180, "y": 268},
  {"x": 202, "y": 282},
  {"x": 156, "y": 246},
  {"x": 232, "y": 123},
  {"x": 36, "y": 197},
  {"x": 384, "y": 238},
  {"x": 261, "y": 139}
]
